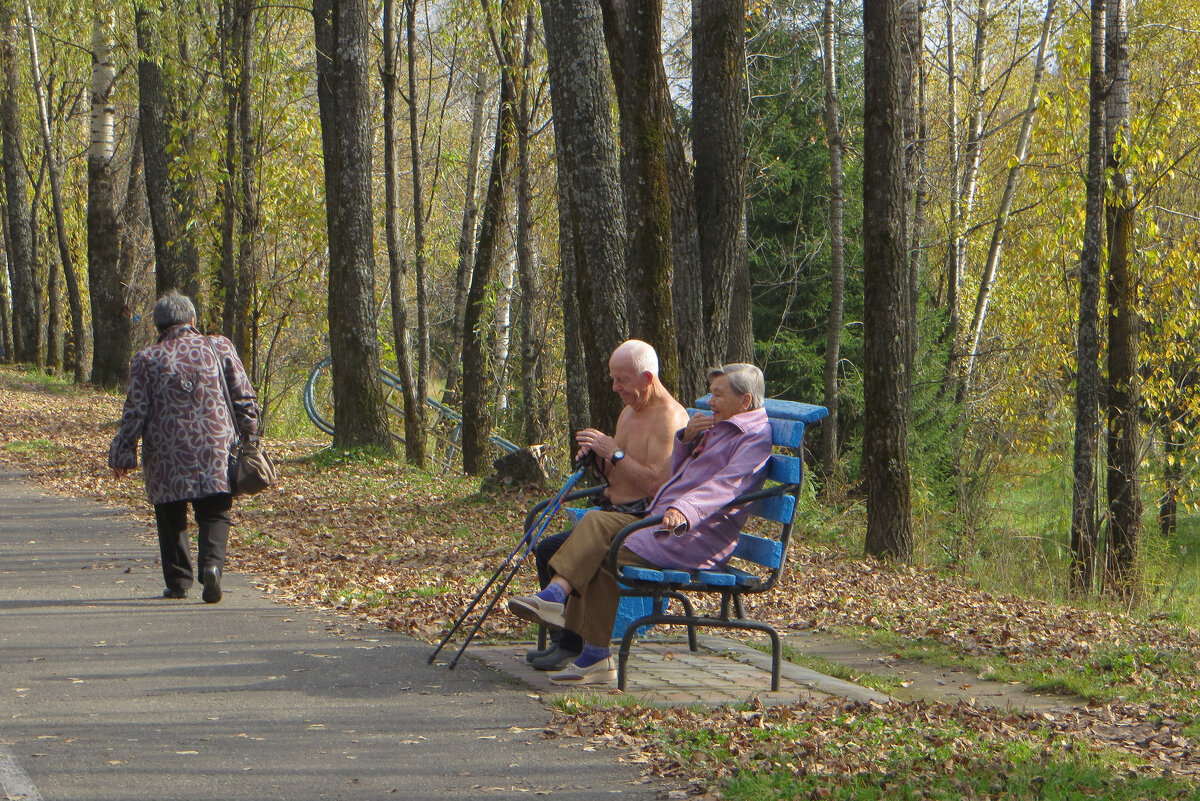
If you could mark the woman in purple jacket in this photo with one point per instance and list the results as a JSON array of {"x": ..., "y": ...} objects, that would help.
[
  {"x": 717, "y": 457},
  {"x": 176, "y": 407}
]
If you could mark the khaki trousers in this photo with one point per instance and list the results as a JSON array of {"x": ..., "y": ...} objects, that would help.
[{"x": 583, "y": 561}]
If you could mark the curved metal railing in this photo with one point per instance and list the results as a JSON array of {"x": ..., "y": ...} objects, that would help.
[{"x": 444, "y": 423}]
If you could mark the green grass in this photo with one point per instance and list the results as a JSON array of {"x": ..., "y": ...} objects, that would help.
[
  {"x": 892, "y": 756},
  {"x": 33, "y": 446},
  {"x": 1106, "y": 674},
  {"x": 887, "y": 683}
]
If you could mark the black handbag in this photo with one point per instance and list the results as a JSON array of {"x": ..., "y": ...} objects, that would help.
[{"x": 251, "y": 468}]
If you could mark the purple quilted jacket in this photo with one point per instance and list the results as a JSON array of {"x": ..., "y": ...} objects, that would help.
[{"x": 177, "y": 408}]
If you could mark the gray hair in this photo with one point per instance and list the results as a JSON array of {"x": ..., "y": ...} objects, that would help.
[
  {"x": 173, "y": 309},
  {"x": 641, "y": 355},
  {"x": 744, "y": 379}
]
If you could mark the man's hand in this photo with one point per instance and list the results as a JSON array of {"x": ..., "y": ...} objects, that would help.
[
  {"x": 696, "y": 426},
  {"x": 591, "y": 440}
]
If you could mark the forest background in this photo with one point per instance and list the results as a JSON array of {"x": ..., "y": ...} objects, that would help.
[{"x": 485, "y": 197}]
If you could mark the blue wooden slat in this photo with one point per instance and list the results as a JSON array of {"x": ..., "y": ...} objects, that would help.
[
  {"x": 784, "y": 469},
  {"x": 786, "y": 433},
  {"x": 716, "y": 578},
  {"x": 745, "y": 579},
  {"x": 677, "y": 576},
  {"x": 779, "y": 508},
  {"x": 760, "y": 550},
  {"x": 642, "y": 574},
  {"x": 805, "y": 413}
]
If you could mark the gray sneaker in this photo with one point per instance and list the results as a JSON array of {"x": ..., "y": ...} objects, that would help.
[{"x": 555, "y": 660}]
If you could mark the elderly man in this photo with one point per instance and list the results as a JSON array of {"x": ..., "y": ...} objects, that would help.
[
  {"x": 715, "y": 459},
  {"x": 636, "y": 461}
]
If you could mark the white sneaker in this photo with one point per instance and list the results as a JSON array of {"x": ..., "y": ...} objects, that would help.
[
  {"x": 602, "y": 672},
  {"x": 533, "y": 608}
]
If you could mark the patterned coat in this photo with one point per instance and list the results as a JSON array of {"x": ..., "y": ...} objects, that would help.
[{"x": 177, "y": 408}]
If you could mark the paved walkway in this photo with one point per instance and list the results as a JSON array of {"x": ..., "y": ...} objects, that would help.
[{"x": 108, "y": 692}]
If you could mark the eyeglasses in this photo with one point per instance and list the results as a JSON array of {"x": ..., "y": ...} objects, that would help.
[{"x": 677, "y": 531}]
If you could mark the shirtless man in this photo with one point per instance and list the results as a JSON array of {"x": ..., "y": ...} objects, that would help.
[{"x": 635, "y": 461}]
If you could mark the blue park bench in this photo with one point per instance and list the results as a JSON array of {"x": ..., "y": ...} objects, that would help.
[
  {"x": 759, "y": 558},
  {"x": 757, "y": 564}
]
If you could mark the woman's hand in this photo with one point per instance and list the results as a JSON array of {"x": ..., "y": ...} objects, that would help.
[
  {"x": 673, "y": 518},
  {"x": 696, "y": 426}
]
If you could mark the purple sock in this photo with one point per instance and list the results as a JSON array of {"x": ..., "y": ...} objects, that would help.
[
  {"x": 553, "y": 593},
  {"x": 591, "y": 654}
]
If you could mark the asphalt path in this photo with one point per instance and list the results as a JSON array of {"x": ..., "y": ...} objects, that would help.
[{"x": 111, "y": 692}]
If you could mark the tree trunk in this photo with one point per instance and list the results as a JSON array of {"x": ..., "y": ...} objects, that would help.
[
  {"x": 688, "y": 283},
  {"x": 6, "y": 344},
  {"x": 177, "y": 260},
  {"x": 719, "y": 112},
  {"x": 575, "y": 367},
  {"x": 1084, "y": 526},
  {"x": 1124, "y": 325},
  {"x": 82, "y": 352},
  {"x": 342, "y": 30},
  {"x": 229, "y": 50},
  {"x": 420, "y": 218},
  {"x": 466, "y": 240},
  {"x": 414, "y": 439},
  {"x": 535, "y": 423},
  {"x": 27, "y": 312},
  {"x": 250, "y": 229},
  {"x": 886, "y": 379},
  {"x": 112, "y": 319},
  {"x": 645, "y": 114},
  {"x": 954, "y": 221},
  {"x": 837, "y": 244},
  {"x": 478, "y": 336},
  {"x": 588, "y": 160},
  {"x": 912, "y": 83}
]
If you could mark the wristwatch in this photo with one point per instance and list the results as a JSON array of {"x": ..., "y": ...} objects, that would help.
[{"x": 617, "y": 456}]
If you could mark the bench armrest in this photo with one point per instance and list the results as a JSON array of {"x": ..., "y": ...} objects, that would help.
[{"x": 741, "y": 500}]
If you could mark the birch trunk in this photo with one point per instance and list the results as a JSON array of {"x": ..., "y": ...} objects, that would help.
[
  {"x": 82, "y": 352},
  {"x": 466, "y": 239},
  {"x": 992, "y": 264},
  {"x": 837, "y": 261},
  {"x": 1124, "y": 324}
]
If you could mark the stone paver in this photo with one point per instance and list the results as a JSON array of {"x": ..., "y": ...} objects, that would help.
[{"x": 662, "y": 671}]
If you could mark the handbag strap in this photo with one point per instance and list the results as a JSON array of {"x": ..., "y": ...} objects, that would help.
[{"x": 224, "y": 387}]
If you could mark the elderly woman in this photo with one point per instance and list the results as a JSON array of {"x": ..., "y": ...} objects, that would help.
[
  {"x": 176, "y": 406},
  {"x": 716, "y": 458}
]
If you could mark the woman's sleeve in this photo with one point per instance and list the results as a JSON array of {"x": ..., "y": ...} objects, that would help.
[
  {"x": 122, "y": 453},
  {"x": 731, "y": 475}
]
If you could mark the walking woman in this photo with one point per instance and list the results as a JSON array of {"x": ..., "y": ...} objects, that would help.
[{"x": 176, "y": 407}]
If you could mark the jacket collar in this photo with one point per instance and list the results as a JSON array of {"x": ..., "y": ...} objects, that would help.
[
  {"x": 744, "y": 421},
  {"x": 176, "y": 331}
]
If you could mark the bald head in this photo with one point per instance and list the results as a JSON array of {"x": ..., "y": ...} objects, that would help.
[{"x": 637, "y": 356}]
